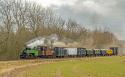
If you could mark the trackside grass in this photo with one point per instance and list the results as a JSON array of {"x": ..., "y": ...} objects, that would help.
[{"x": 85, "y": 67}]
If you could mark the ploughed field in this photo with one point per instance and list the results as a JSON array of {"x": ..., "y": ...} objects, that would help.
[{"x": 113, "y": 66}]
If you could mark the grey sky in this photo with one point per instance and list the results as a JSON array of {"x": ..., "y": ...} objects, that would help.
[{"x": 91, "y": 13}]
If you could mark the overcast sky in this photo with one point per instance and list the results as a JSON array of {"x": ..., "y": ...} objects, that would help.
[{"x": 91, "y": 13}]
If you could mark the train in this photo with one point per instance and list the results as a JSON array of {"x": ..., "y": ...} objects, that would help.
[{"x": 65, "y": 52}]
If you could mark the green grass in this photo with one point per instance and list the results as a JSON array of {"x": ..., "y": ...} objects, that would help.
[{"x": 86, "y": 67}]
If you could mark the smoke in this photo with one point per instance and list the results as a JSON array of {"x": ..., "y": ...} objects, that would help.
[
  {"x": 35, "y": 42},
  {"x": 41, "y": 41}
]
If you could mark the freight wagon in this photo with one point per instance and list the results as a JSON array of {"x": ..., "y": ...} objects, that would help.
[
  {"x": 90, "y": 52},
  {"x": 115, "y": 50},
  {"x": 81, "y": 52},
  {"x": 97, "y": 52},
  {"x": 71, "y": 52},
  {"x": 103, "y": 52},
  {"x": 61, "y": 52}
]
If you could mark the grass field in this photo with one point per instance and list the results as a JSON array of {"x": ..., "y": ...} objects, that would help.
[{"x": 86, "y": 67}]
